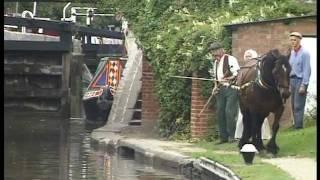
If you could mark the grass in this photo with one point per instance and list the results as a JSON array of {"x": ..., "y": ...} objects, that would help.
[
  {"x": 299, "y": 143},
  {"x": 259, "y": 170}
]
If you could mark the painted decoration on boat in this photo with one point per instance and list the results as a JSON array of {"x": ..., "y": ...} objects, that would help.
[
  {"x": 108, "y": 74},
  {"x": 98, "y": 98}
]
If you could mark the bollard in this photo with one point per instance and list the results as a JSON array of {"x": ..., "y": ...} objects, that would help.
[{"x": 248, "y": 152}]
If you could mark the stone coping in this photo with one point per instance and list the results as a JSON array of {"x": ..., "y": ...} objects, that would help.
[
  {"x": 167, "y": 155},
  {"x": 19, "y": 36}
]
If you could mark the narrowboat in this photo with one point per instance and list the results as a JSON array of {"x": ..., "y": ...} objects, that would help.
[{"x": 98, "y": 98}]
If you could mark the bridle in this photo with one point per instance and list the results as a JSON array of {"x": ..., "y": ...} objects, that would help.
[
  {"x": 261, "y": 82},
  {"x": 282, "y": 87}
]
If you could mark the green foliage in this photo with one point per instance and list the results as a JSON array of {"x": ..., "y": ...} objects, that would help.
[
  {"x": 44, "y": 9},
  {"x": 312, "y": 112},
  {"x": 175, "y": 34}
]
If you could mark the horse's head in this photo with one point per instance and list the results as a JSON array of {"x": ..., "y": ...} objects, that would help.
[{"x": 280, "y": 74}]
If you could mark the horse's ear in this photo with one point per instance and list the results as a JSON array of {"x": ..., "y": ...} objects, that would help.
[
  {"x": 288, "y": 53},
  {"x": 275, "y": 53}
]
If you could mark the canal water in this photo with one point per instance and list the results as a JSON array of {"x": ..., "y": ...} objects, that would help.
[{"x": 38, "y": 148}]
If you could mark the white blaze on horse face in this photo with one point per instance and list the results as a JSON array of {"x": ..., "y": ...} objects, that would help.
[
  {"x": 284, "y": 89},
  {"x": 284, "y": 68}
]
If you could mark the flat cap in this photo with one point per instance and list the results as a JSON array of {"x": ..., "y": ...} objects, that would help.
[
  {"x": 214, "y": 46},
  {"x": 297, "y": 34}
]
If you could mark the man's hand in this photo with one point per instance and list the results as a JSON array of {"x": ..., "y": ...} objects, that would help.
[
  {"x": 215, "y": 90},
  {"x": 302, "y": 90},
  {"x": 229, "y": 78}
]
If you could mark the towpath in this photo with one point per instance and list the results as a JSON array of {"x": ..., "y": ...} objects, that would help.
[{"x": 298, "y": 168}]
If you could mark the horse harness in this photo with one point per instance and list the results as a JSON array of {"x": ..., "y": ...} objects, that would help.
[{"x": 258, "y": 79}]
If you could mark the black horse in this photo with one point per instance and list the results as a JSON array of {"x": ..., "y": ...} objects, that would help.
[{"x": 264, "y": 89}]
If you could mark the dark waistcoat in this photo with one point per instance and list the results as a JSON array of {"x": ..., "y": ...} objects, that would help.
[{"x": 225, "y": 69}]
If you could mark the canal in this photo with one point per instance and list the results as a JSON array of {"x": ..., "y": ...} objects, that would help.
[{"x": 37, "y": 148}]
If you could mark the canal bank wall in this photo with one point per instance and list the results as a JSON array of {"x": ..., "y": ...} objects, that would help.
[{"x": 165, "y": 155}]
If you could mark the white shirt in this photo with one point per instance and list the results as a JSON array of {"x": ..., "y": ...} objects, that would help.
[{"x": 233, "y": 66}]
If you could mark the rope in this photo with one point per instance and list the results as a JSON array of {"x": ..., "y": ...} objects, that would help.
[
  {"x": 232, "y": 86},
  {"x": 204, "y": 79},
  {"x": 186, "y": 77},
  {"x": 205, "y": 106},
  {"x": 259, "y": 59}
]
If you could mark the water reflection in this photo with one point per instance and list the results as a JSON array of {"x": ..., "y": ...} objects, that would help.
[
  {"x": 31, "y": 151},
  {"x": 52, "y": 148}
]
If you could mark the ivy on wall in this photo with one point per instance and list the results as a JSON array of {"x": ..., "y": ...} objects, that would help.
[{"x": 175, "y": 34}]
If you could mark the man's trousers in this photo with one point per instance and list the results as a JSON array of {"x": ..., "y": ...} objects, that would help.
[{"x": 227, "y": 101}]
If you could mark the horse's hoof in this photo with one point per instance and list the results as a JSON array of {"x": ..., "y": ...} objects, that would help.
[
  {"x": 260, "y": 147},
  {"x": 273, "y": 150},
  {"x": 269, "y": 155},
  {"x": 262, "y": 153}
]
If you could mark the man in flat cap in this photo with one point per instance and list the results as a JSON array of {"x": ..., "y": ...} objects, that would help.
[
  {"x": 299, "y": 77},
  {"x": 225, "y": 69}
]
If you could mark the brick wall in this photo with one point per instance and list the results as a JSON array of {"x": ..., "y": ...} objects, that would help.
[
  {"x": 199, "y": 122},
  {"x": 259, "y": 36},
  {"x": 264, "y": 36},
  {"x": 150, "y": 103},
  {"x": 268, "y": 35}
]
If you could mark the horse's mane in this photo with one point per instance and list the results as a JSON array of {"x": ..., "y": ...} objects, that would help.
[{"x": 275, "y": 54}]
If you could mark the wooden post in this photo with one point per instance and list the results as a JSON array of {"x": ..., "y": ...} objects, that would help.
[
  {"x": 65, "y": 110},
  {"x": 76, "y": 85}
]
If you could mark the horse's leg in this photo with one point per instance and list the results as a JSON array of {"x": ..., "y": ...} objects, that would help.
[
  {"x": 272, "y": 146},
  {"x": 254, "y": 128},
  {"x": 256, "y": 124},
  {"x": 259, "y": 142},
  {"x": 246, "y": 133}
]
